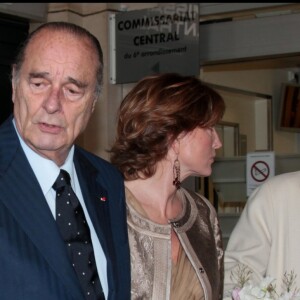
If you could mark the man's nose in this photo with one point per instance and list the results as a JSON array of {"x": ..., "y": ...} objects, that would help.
[{"x": 52, "y": 101}]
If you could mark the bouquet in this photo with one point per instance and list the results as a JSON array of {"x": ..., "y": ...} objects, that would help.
[{"x": 246, "y": 289}]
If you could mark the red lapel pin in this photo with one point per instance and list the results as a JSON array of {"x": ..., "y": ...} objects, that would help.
[{"x": 103, "y": 199}]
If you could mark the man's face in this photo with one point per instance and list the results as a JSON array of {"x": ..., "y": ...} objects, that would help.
[{"x": 54, "y": 92}]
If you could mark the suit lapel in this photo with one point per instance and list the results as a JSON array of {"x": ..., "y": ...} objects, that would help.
[
  {"x": 28, "y": 206},
  {"x": 95, "y": 196}
]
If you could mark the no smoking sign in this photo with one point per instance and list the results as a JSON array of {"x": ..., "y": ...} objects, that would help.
[
  {"x": 260, "y": 171},
  {"x": 260, "y": 167}
]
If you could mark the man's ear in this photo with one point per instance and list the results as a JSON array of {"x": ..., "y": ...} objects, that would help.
[
  {"x": 94, "y": 104},
  {"x": 13, "y": 82}
]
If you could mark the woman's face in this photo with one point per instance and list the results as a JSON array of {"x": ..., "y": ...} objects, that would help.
[{"x": 197, "y": 150}]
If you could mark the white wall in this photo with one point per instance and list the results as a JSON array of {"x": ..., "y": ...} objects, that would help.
[{"x": 264, "y": 82}]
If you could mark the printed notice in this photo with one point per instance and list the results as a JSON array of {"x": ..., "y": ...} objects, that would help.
[{"x": 260, "y": 167}]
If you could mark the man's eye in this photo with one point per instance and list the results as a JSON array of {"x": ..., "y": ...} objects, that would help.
[
  {"x": 73, "y": 93},
  {"x": 37, "y": 84}
]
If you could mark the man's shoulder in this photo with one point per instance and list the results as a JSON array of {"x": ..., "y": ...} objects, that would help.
[
  {"x": 6, "y": 127},
  {"x": 9, "y": 143},
  {"x": 284, "y": 178},
  {"x": 283, "y": 186},
  {"x": 96, "y": 161}
]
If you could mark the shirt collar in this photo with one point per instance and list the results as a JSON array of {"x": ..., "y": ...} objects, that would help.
[{"x": 45, "y": 170}]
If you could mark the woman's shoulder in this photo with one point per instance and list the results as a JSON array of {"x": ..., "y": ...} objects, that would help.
[{"x": 199, "y": 200}]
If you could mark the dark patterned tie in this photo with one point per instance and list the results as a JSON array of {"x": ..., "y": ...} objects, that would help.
[{"x": 76, "y": 234}]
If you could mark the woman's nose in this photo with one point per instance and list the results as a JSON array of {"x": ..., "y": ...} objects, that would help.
[{"x": 217, "y": 142}]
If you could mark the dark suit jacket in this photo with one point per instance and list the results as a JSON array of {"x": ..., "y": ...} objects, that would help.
[{"x": 34, "y": 264}]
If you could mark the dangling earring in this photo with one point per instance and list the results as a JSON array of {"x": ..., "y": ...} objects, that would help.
[{"x": 176, "y": 173}]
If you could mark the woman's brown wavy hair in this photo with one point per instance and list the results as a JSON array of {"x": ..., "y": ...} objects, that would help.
[{"x": 154, "y": 113}]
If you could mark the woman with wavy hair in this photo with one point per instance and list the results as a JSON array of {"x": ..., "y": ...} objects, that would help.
[{"x": 166, "y": 133}]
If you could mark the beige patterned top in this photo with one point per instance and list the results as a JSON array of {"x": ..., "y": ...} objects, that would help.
[{"x": 153, "y": 276}]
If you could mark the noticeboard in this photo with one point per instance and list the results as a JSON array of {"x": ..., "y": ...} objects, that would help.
[{"x": 158, "y": 40}]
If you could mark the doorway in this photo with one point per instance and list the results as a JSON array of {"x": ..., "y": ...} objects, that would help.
[
  {"x": 247, "y": 123},
  {"x": 13, "y": 31}
]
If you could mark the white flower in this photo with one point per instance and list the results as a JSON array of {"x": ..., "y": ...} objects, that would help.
[
  {"x": 265, "y": 290},
  {"x": 289, "y": 296},
  {"x": 251, "y": 292}
]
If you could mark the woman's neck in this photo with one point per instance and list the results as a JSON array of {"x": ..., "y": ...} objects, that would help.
[{"x": 157, "y": 197}]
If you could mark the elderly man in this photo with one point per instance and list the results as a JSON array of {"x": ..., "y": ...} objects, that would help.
[{"x": 63, "y": 231}]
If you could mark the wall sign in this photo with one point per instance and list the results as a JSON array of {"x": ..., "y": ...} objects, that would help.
[
  {"x": 260, "y": 167},
  {"x": 149, "y": 41}
]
